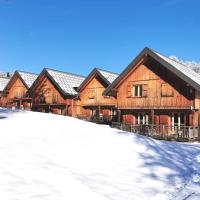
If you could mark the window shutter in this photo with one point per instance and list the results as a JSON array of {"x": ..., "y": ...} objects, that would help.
[
  {"x": 163, "y": 90},
  {"x": 91, "y": 94},
  {"x": 166, "y": 90},
  {"x": 129, "y": 91},
  {"x": 145, "y": 90},
  {"x": 169, "y": 90}
]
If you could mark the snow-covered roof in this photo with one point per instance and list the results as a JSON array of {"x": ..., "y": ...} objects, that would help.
[
  {"x": 66, "y": 81},
  {"x": 106, "y": 76},
  {"x": 28, "y": 77},
  {"x": 182, "y": 68},
  {"x": 3, "y": 83},
  {"x": 110, "y": 76}
]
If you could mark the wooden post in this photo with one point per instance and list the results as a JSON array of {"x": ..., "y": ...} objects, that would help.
[
  {"x": 99, "y": 109},
  {"x": 152, "y": 120},
  {"x": 67, "y": 109},
  {"x": 193, "y": 118},
  {"x": 152, "y": 116},
  {"x": 72, "y": 109},
  {"x": 198, "y": 123},
  {"x": 20, "y": 103},
  {"x": 119, "y": 116}
]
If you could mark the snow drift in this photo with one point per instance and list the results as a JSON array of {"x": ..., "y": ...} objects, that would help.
[{"x": 48, "y": 157}]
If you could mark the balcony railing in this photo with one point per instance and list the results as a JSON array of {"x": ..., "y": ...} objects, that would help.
[{"x": 164, "y": 132}]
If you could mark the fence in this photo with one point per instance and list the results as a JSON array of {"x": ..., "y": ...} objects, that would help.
[
  {"x": 163, "y": 132},
  {"x": 98, "y": 119}
]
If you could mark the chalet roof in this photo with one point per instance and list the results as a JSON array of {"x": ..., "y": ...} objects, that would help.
[
  {"x": 28, "y": 77},
  {"x": 181, "y": 70},
  {"x": 107, "y": 76},
  {"x": 110, "y": 76},
  {"x": 3, "y": 83},
  {"x": 67, "y": 82}
]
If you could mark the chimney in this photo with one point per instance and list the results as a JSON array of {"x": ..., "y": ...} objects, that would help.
[{"x": 8, "y": 75}]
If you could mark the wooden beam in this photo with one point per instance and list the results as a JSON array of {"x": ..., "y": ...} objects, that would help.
[{"x": 152, "y": 117}]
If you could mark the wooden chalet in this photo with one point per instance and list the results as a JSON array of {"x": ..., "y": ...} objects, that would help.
[
  {"x": 15, "y": 92},
  {"x": 157, "y": 90},
  {"x": 54, "y": 91},
  {"x": 90, "y": 99},
  {"x": 3, "y": 82}
]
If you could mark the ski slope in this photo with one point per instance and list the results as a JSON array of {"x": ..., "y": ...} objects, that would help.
[{"x": 52, "y": 157}]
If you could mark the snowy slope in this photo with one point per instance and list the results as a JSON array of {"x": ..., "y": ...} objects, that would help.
[{"x": 48, "y": 157}]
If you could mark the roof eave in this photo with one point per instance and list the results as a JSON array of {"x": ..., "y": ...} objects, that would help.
[
  {"x": 174, "y": 70},
  {"x": 34, "y": 83},
  {"x": 93, "y": 72},
  {"x": 56, "y": 84},
  {"x": 147, "y": 51},
  {"x": 125, "y": 71}
]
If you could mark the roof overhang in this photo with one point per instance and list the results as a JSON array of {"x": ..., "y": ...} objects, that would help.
[
  {"x": 93, "y": 73},
  {"x": 46, "y": 73},
  {"x": 15, "y": 76},
  {"x": 146, "y": 53}
]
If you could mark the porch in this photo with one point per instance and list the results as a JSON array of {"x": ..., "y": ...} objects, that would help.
[
  {"x": 61, "y": 109},
  {"x": 99, "y": 113},
  {"x": 170, "y": 117},
  {"x": 20, "y": 103},
  {"x": 162, "y": 132}
]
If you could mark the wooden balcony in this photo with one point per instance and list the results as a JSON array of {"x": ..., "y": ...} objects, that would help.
[
  {"x": 160, "y": 103},
  {"x": 98, "y": 102}
]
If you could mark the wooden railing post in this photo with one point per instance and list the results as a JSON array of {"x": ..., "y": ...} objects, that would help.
[{"x": 119, "y": 116}]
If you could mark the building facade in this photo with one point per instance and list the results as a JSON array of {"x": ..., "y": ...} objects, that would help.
[
  {"x": 90, "y": 99},
  {"x": 15, "y": 92},
  {"x": 3, "y": 82},
  {"x": 55, "y": 91},
  {"x": 155, "y": 89}
]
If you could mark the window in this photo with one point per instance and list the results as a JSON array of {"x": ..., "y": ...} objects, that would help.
[
  {"x": 166, "y": 90},
  {"x": 142, "y": 118},
  {"x": 137, "y": 90},
  {"x": 91, "y": 94},
  {"x": 177, "y": 119},
  {"x": 140, "y": 90}
]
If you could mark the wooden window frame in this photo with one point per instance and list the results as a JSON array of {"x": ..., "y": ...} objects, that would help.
[{"x": 137, "y": 90}]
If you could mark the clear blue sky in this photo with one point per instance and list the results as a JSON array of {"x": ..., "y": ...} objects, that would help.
[{"x": 77, "y": 35}]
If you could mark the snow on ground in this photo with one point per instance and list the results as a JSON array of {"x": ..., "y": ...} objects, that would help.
[{"x": 48, "y": 157}]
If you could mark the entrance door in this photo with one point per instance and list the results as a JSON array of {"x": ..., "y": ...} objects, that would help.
[{"x": 142, "y": 118}]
